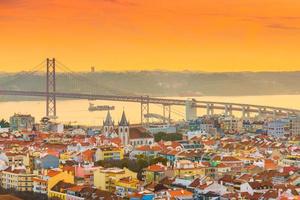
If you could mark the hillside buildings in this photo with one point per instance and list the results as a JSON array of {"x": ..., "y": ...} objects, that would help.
[{"x": 217, "y": 157}]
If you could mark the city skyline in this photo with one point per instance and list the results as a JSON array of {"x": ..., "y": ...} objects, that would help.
[
  {"x": 116, "y": 35},
  {"x": 149, "y": 99}
]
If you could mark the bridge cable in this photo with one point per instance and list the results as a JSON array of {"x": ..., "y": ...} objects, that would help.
[
  {"x": 18, "y": 76},
  {"x": 88, "y": 80}
]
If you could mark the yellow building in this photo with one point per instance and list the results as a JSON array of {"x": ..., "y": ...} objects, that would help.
[
  {"x": 187, "y": 168},
  {"x": 106, "y": 179},
  {"x": 109, "y": 153},
  {"x": 155, "y": 172},
  {"x": 44, "y": 184},
  {"x": 18, "y": 179},
  {"x": 185, "y": 172},
  {"x": 56, "y": 176},
  {"x": 126, "y": 186},
  {"x": 66, "y": 156},
  {"x": 60, "y": 190}
]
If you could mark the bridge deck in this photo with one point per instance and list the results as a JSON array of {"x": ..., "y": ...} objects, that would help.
[{"x": 152, "y": 100}]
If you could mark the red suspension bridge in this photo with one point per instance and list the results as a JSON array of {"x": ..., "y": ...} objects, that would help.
[{"x": 191, "y": 105}]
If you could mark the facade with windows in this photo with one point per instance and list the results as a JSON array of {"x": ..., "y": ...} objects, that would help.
[
  {"x": 109, "y": 153},
  {"x": 277, "y": 128},
  {"x": 21, "y": 122},
  {"x": 16, "y": 179}
]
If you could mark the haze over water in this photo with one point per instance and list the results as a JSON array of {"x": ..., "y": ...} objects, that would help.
[{"x": 76, "y": 111}]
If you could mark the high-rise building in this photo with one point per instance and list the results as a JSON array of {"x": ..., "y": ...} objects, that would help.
[{"x": 190, "y": 110}]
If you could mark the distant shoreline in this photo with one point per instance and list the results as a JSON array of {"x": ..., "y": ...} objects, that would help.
[{"x": 160, "y": 83}]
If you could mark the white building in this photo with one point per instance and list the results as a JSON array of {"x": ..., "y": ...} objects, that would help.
[
  {"x": 190, "y": 110},
  {"x": 277, "y": 128},
  {"x": 4, "y": 130},
  {"x": 129, "y": 135},
  {"x": 197, "y": 133},
  {"x": 166, "y": 128},
  {"x": 294, "y": 125},
  {"x": 231, "y": 123}
]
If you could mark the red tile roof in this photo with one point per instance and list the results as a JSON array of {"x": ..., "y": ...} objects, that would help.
[
  {"x": 156, "y": 168},
  {"x": 138, "y": 132},
  {"x": 52, "y": 173}
]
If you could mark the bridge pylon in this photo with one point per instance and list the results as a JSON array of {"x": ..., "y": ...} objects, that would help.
[
  {"x": 167, "y": 113},
  {"x": 144, "y": 110},
  {"x": 50, "y": 88}
]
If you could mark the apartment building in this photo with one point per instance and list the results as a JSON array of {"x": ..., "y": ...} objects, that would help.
[{"x": 18, "y": 179}]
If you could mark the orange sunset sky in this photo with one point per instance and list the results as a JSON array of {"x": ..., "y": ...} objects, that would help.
[{"x": 201, "y": 35}]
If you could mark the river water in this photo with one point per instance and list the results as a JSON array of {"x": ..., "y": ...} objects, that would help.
[{"x": 76, "y": 111}]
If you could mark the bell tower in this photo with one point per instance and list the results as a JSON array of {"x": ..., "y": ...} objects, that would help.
[{"x": 124, "y": 130}]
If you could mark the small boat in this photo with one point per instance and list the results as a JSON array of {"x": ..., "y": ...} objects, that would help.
[{"x": 92, "y": 108}]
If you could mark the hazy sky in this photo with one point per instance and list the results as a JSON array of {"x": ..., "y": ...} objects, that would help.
[{"x": 203, "y": 35}]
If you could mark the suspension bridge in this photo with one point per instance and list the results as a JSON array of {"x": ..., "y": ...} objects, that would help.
[{"x": 51, "y": 94}]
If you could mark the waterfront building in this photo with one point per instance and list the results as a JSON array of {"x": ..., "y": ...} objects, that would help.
[
  {"x": 165, "y": 128},
  {"x": 294, "y": 125},
  {"x": 278, "y": 127},
  {"x": 190, "y": 110},
  {"x": 231, "y": 124},
  {"x": 21, "y": 122}
]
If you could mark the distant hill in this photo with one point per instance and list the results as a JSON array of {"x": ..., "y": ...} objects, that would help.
[{"x": 159, "y": 83}]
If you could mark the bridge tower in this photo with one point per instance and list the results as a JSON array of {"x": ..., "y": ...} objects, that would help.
[
  {"x": 167, "y": 113},
  {"x": 228, "y": 110},
  {"x": 144, "y": 110},
  {"x": 246, "y": 112},
  {"x": 50, "y": 88},
  {"x": 209, "y": 109}
]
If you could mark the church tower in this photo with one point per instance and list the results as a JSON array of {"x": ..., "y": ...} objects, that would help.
[
  {"x": 124, "y": 130},
  {"x": 108, "y": 125}
]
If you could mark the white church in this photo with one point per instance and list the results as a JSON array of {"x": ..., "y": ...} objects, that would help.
[{"x": 129, "y": 135}]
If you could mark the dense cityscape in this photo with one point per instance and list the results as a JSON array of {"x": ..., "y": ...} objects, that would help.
[
  {"x": 149, "y": 100},
  {"x": 214, "y": 156}
]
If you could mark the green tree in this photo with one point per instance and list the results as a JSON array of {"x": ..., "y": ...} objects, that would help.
[
  {"x": 158, "y": 160},
  {"x": 167, "y": 136},
  {"x": 4, "y": 123}
]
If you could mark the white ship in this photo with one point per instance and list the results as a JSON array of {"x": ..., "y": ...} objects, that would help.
[{"x": 92, "y": 108}]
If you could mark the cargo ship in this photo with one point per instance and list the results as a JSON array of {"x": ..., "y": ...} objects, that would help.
[{"x": 92, "y": 108}]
